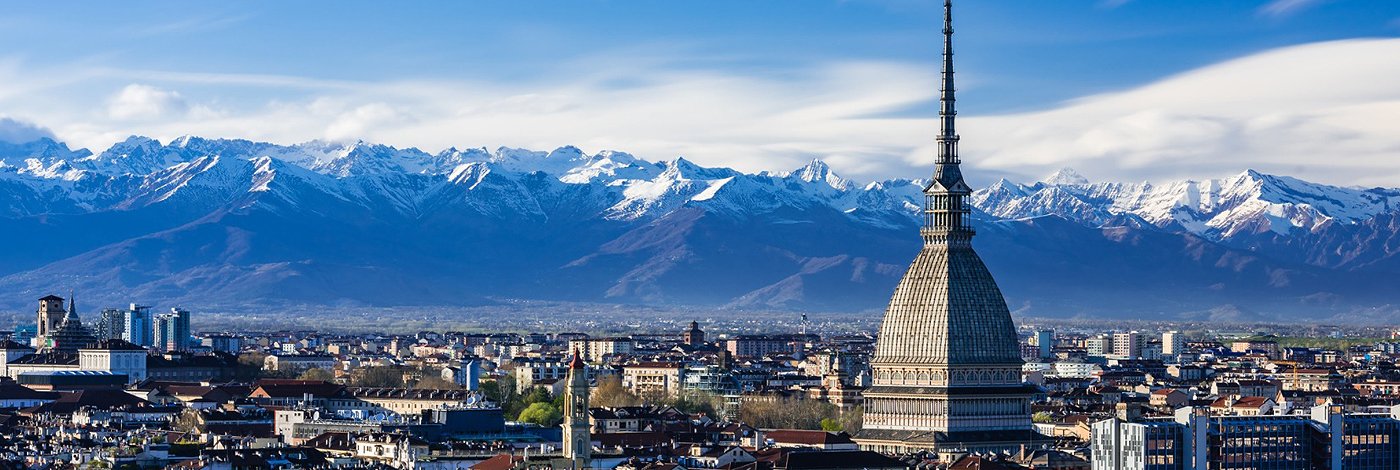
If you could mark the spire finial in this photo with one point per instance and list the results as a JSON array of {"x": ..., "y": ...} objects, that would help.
[{"x": 947, "y": 132}]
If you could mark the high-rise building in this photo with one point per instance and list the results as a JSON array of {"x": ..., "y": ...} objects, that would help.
[
  {"x": 172, "y": 330},
  {"x": 947, "y": 364},
  {"x": 111, "y": 323},
  {"x": 1173, "y": 343},
  {"x": 578, "y": 442},
  {"x": 137, "y": 327},
  {"x": 1326, "y": 437},
  {"x": 1045, "y": 342},
  {"x": 1099, "y": 346},
  {"x": 1127, "y": 345}
]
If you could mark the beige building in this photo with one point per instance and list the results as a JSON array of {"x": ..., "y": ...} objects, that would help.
[
  {"x": 653, "y": 380},
  {"x": 597, "y": 350},
  {"x": 408, "y": 401}
]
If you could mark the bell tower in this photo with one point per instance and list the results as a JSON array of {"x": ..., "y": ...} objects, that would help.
[{"x": 578, "y": 443}]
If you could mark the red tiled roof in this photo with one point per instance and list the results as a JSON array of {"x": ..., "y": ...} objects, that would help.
[{"x": 499, "y": 462}]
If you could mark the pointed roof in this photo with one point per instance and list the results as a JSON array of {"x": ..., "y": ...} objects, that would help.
[
  {"x": 577, "y": 361},
  {"x": 947, "y": 309}
]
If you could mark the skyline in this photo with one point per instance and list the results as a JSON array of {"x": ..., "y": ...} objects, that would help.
[{"x": 753, "y": 88}]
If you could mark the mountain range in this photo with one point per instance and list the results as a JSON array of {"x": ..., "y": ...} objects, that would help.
[{"x": 222, "y": 224}]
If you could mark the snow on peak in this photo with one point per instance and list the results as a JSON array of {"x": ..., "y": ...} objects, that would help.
[
  {"x": 1066, "y": 177},
  {"x": 818, "y": 171}
]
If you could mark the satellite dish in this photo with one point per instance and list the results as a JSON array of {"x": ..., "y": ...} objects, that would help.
[{"x": 471, "y": 399}]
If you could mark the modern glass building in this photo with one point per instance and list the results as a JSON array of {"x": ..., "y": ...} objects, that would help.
[
  {"x": 136, "y": 328},
  {"x": 1326, "y": 438}
]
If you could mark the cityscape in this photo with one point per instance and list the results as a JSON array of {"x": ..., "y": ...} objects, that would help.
[{"x": 211, "y": 340}]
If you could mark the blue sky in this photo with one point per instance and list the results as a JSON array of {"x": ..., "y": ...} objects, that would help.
[{"x": 750, "y": 84}]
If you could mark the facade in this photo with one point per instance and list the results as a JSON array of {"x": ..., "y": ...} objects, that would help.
[
  {"x": 753, "y": 346},
  {"x": 654, "y": 380},
  {"x": 1098, "y": 346},
  {"x": 947, "y": 365},
  {"x": 1045, "y": 343},
  {"x": 596, "y": 350},
  {"x": 298, "y": 363},
  {"x": 537, "y": 372},
  {"x": 172, "y": 330},
  {"x": 137, "y": 325},
  {"x": 1173, "y": 343},
  {"x": 1127, "y": 345},
  {"x": 111, "y": 323},
  {"x": 116, "y": 357},
  {"x": 1325, "y": 438},
  {"x": 223, "y": 343}
]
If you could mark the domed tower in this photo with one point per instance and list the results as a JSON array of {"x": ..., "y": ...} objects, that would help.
[{"x": 947, "y": 364}]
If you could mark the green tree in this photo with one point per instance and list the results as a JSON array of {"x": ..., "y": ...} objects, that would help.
[
  {"x": 830, "y": 425},
  {"x": 541, "y": 413},
  {"x": 317, "y": 373},
  {"x": 1042, "y": 417},
  {"x": 520, "y": 402}
]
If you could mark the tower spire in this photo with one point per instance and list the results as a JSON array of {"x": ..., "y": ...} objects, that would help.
[
  {"x": 947, "y": 112},
  {"x": 946, "y": 215}
]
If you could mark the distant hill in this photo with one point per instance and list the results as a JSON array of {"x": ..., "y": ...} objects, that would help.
[{"x": 232, "y": 224}]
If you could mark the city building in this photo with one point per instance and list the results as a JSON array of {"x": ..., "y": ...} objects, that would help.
[
  {"x": 136, "y": 325},
  {"x": 596, "y": 350},
  {"x": 1173, "y": 343},
  {"x": 578, "y": 443},
  {"x": 111, "y": 323},
  {"x": 654, "y": 380},
  {"x": 754, "y": 346},
  {"x": 172, "y": 330},
  {"x": 1045, "y": 343},
  {"x": 223, "y": 343},
  {"x": 1098, "y": 346},
  {"x": 1326, "y": 437},
  {"x": 51, "y": 315},
  {"x": 1127, "y": 345},
  {"x": 694, "y": 336},
  {"x": 70, "y": 334},
  {"x": 947, "y": 364}
]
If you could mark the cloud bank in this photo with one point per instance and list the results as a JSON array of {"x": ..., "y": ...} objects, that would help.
[{"x": 1326, "y": 111}]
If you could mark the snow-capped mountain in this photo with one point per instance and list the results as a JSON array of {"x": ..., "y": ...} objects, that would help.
[{"x": 234, "y": 223}]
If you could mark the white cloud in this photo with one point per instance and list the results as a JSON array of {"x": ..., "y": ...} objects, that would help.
[
  {"x": 1323, "y": 111},
  {"x": 356, "y": 123},
  {"x": 18, "y": 132},
  {"x": 137, "y": 101},
  {"x": 1281, "y": 8}
]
